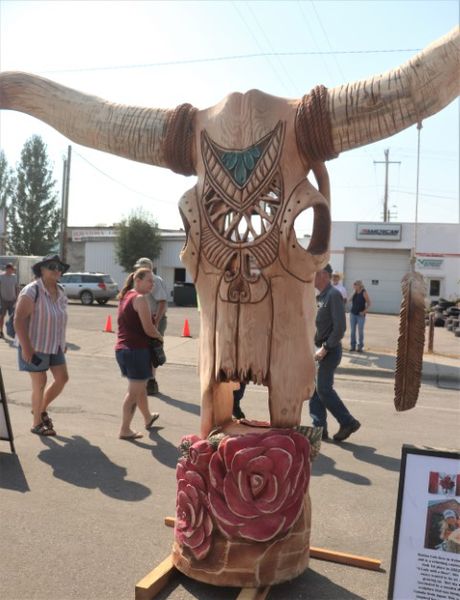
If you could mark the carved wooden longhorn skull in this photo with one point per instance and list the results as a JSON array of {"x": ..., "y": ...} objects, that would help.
[{"x": 252, "y": 154}]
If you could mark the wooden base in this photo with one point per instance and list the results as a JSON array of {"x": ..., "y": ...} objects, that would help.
[
  {"x": 363, "y": 562},
  {"x": 158, "y": 578}
]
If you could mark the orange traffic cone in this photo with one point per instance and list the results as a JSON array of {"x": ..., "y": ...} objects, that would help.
[
  {"x": 108, "y": 325},
  {"x": 186, "y": 330}
]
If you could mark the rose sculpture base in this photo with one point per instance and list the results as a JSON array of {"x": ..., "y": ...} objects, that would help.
[{"x": 243, "y": 510}]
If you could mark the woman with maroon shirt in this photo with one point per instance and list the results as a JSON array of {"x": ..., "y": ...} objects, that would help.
[{"x": 132, "y": 352}]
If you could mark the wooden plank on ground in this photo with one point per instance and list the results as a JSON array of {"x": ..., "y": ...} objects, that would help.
[
  {"x": 364, "y": 562},
  {"x": 150, "y": 585},
  {"x": 254, "y": 593}
]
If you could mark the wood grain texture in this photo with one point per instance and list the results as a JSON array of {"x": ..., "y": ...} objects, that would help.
[
  {"x": 411, "y": 341},
  {"x": 375, "y": 108}
]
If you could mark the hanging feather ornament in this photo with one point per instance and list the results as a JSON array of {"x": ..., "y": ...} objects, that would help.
[{"x": 411, "y": 341}]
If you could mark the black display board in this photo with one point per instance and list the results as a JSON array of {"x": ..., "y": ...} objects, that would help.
[{"x": 6, "y": 432}]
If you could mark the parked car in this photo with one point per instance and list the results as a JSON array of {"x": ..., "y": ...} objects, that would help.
[{"x": 89, "y": 287}]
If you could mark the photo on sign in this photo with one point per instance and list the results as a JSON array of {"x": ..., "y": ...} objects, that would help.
[
  {"x": 443, "y": 526},
  {"x": 447, "y": 484}
]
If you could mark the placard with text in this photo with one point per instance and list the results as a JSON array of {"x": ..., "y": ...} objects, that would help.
[{"x": 425, "y": 563}]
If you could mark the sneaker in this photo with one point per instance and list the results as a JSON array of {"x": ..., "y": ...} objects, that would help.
[
  {"x": 360, "y": 350},
  {"x": 152, "y": 387},
  {"x": 346, "y": 430},
  {"x": 352, "y": 349}
]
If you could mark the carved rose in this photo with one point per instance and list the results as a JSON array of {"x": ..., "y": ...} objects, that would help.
[
  {"x": 258, "y": 483},
  {"x": 193, "y": 522}
]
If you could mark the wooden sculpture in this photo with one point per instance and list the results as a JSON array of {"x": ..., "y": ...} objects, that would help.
[{"x": 243, "y": 505}]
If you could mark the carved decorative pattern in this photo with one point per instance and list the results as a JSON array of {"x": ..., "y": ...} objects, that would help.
[{"x": 242, "y": 197}]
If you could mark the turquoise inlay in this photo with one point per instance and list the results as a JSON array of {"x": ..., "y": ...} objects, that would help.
[{"x": 241, "y": 163}]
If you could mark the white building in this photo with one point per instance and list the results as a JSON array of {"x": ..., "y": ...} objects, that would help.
[{"x": 377, "y": 253}]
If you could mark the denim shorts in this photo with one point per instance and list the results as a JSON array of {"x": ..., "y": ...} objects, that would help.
[
  {"x": 134, "y": 364},
  {"x": 47, "y": 361}
]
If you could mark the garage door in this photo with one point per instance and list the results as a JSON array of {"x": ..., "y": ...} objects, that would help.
[{"x": 381, "y": 271}]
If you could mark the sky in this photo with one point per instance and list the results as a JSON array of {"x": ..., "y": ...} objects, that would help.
[{"x": 161, "y": 54}]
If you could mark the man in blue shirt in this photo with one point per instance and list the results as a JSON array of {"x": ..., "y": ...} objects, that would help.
[{"x": 330, "y": 329}]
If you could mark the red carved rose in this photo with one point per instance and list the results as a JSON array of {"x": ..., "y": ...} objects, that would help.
[
  {"x": 193, "y": 522},
  {"x": 258, "y": 483}
]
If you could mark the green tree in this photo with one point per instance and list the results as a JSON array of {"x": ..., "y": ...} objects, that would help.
[
  {"x": 6, "y": 192},
  {"x": 6, "y": 181},
  {"x": 138, "y": 236},
  {"x": 33, "y": 215}
]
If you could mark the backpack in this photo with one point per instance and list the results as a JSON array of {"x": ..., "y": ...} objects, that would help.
[{"x": 10, "y": 323}]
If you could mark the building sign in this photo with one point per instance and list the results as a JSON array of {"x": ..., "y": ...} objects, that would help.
[
  {"x": 378, "y": 231},
  {"x": 429, "y": 263},
  {"x": 83, "y": 235}
]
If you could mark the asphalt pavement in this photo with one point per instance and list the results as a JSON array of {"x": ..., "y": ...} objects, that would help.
[{"x": 82, "y": 514}]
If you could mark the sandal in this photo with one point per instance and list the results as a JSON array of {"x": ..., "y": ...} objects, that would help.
[
  {"x": 42, "y": 429},
  {"x": 46, "y": 420}
]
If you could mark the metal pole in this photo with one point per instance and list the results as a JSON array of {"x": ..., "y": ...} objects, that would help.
[
  {"x": 61, "y": 233},
  {"x": 386, "y": 162},
  {"x": 385, "y": 197},
  {"x": 66, "y": 204}
]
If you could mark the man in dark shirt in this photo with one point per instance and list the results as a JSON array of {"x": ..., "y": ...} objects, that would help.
[{"x": 330, "y": 329}]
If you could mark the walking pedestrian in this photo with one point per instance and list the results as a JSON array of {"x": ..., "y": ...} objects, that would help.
[
  {"x": 360, "y": 304},
  {"x": 135, "y": 328},
  {"x": 40, "y": 322},
  {"x": 330, "y": 329},
  {"x": 158, "y": 302},
  {"x": 336, "y": 277},
  {"x": 9, "y": 291}
]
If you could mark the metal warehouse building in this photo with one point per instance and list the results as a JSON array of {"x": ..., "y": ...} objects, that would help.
[{"x": 377, "y": 253}]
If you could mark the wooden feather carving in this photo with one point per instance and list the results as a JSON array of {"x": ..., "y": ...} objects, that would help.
[{"x": 411, "y": 341}]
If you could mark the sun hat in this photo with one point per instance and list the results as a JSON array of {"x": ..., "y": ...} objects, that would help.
[
  {"x": 36, "y": 268},
  {"x": 144, "y": 262}
]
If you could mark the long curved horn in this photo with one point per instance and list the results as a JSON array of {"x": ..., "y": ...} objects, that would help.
[
  {"x": 153, "y": 136},
  {"x": 375, "y": 108}
]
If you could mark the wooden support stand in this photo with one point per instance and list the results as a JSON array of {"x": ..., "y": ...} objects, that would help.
[{"x": 157, "y": 579}]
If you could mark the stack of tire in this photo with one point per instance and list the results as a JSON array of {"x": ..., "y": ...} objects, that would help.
[{"x": 446, "y": 314}]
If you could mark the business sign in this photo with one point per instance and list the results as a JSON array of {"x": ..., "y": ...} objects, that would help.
[
  {"x": 429, "y": 263},
  {"x": 378, "y": 231},
  {"x": 83, "y": 235}
]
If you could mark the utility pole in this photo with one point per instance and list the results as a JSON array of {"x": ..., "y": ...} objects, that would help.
[
  {"x": 65, "y": 203},
  {"x": 386, "y": 162}
]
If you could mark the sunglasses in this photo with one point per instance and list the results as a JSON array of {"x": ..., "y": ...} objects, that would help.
[{"x": 54, "y": 266}]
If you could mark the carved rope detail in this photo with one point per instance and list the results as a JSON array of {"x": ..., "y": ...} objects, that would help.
[{"x": 313, "y": 126}]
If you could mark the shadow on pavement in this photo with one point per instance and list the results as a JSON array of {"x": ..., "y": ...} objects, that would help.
[
  {"x": 162, "y": 450},
  {"x": 79, "y": 463},
  {"x": 11, "y": 474},
  {"x": 308, "y": 585},
  {"x": 370, "y": 455},
  {"x": 187, "y": 406},
  {"x": 324, "y": 465},
  {"x": 312, "y": 585}
]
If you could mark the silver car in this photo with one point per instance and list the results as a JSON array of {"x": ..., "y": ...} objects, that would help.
[{"x": 89, "y": 287}]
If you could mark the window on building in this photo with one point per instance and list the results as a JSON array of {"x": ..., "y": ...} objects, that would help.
[
  {"x": 435, "y": 287},
  {"x": 179, "y": 275}
]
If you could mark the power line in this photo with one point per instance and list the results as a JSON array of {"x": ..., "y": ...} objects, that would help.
[
  {"x": 189, "y": 61},
  {"x": 120, "y": 182}
]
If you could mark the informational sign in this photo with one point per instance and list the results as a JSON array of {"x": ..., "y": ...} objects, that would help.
[
  {"x": 378, "y": 231},
  {"x": 429, "y": 263},
  {"x": 6, "y": 433},
  {"x": 83, "y": 235},
  {"x": 425, "y": 563}
]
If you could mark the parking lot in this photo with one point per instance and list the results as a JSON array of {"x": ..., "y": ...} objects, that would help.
[{"x": 82, "y": 514}]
